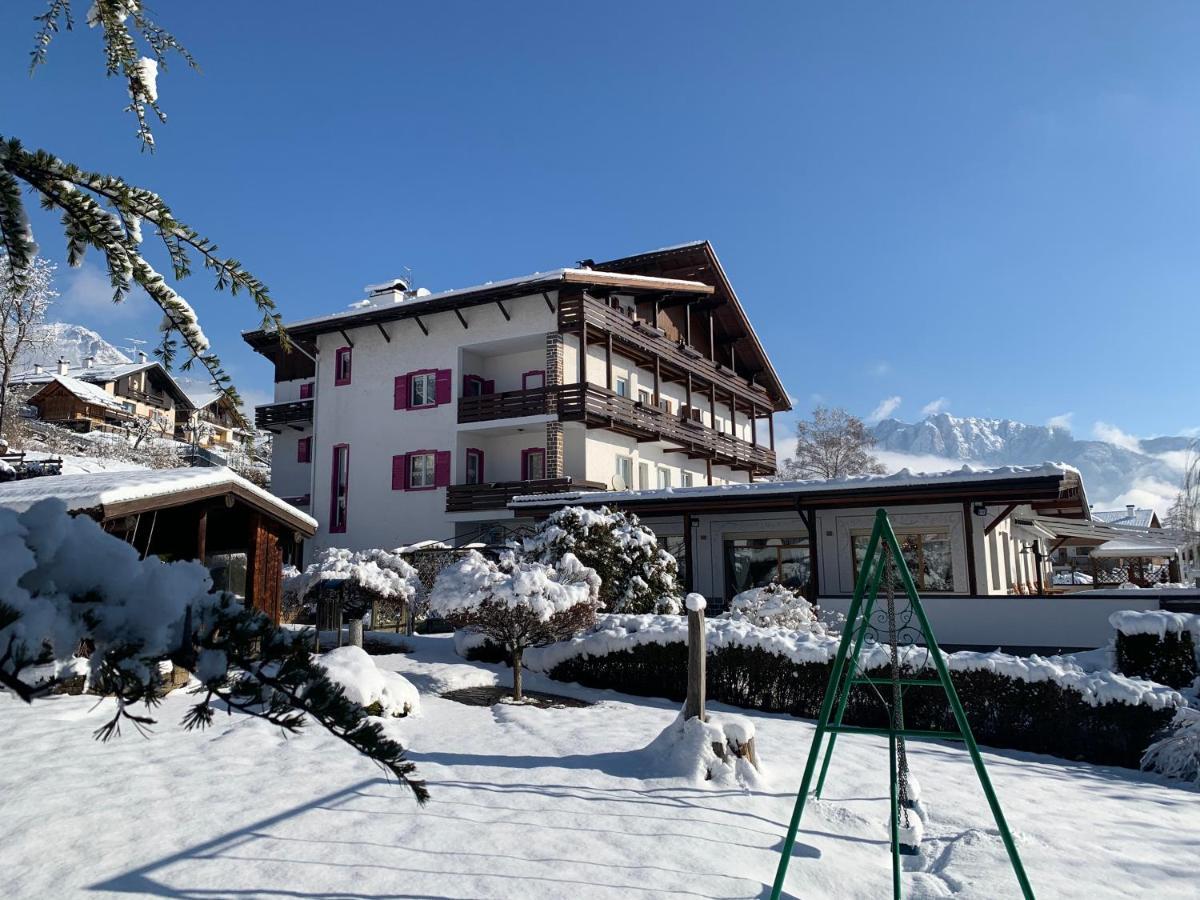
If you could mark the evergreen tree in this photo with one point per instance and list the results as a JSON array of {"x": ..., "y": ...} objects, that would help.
[{"x": 636, "y": 576}]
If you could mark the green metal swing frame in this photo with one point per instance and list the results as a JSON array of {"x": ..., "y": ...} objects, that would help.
[{"x": 837, "y": 692}]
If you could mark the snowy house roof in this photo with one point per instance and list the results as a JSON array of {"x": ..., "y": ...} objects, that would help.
[
  {"x": 127, "y": 492},
  {"x": 88, "y": 393},
  {"x": 1129, "y": 517},
  {"x": 967, "y": 481},
  {"x": 105, "y": 374},
  {"x": 1130, "y": 547}
]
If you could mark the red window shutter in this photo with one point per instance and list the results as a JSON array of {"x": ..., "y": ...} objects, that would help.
[
  {"x": 441, "y": 464},
  {"x": 482, "y": 478},
  {"x": 400, "y": 393},
  {"x": 306, "y": 390},
  {"x": 304, "y": 450},
  {"x": 489, "y": 386},
  {"x": 399, "y": 472},
  {"x": 443, "y": 386}
]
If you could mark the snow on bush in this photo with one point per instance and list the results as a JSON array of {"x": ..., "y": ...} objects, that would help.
[
  {"x": 63, "y": 581},
  {"x": 367, "y": 685},
  {"x": 516, "y": 603},
  {"x": 1177, "y": 753},
  {"x": 366, "y": 577},
  {"x": 636, "y": 576},
  {"x": 688, "y": 748},
  {"x": 774, "y": 606}
]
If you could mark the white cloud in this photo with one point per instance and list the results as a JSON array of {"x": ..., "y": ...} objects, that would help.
[
  {"x": 87, "y": 294},
  {"x": 886, "y": 407},
  {"x": 882, "y": 367},
  {"x": 933, "y": 407},
  {"x": 1147, "y": 493},
  {"x": 894, "y": 461},
  {"x": 1063, "y": 421},
  {"x": 1102, "y": 431}
]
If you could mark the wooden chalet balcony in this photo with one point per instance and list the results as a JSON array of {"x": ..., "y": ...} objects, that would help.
[
  {"x": 290, "y": 414},
  {"x": 505, "y": 405},
  {"x": 495, "y": 495}
]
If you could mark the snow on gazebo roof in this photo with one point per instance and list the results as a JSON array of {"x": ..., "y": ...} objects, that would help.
[
  {"x": 1129, "y": 548},
  {"x": 106, "y": 491}
]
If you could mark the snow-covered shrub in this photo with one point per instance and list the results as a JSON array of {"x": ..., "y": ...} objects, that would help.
[
  {"x": 516, "y": 603},
  {"x": 636, "y": 576},
  {"x": 377, "y": 691},
  {"x": 1044, "y": 705},
  {"x": 364, "y": 578},
  {"x": 1177, "y": 753},
  {"x": 1157, "y": 645},
  {"x": 64, "y": 581},
  {"x": 708, "y": 752},
  {"x": 774, "y": 606}
]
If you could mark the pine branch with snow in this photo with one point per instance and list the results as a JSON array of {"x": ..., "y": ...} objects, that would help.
[
  {"x": 1177, "y": 753},
  {"x": 65, "y": 583},
  {"x": 636, "y": 575},
  {"x": 517, "y": 603}
]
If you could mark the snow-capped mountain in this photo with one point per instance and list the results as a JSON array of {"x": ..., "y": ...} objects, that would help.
[
  {"x": 1110, "y": 472},
  {"x": 72, "y": 342}
]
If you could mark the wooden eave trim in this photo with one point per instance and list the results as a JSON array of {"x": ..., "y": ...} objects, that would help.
[{"x": 642, "y": 283}]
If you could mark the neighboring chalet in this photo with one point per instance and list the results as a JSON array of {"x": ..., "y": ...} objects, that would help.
[
  {"x": 239, "y": 531},
  {"x": 1075, "y": 558},
  {"x": 414, "y": 415},
  {"x": 136, "y": 390},
  {"x": 212, "y": 422}
]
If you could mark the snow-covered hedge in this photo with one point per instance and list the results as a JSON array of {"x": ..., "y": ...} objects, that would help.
[
  {"x": 636, "y": 576},
  {"x": 1043, "y": 704},
  {"x": 774, "y": 606},
  {"x": 1157, "y": 644}
]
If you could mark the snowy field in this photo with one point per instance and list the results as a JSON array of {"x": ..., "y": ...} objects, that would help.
[{"x": 543, "y": 803}]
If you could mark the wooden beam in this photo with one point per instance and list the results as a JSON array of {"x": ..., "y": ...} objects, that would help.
[
  {"x": 969, "y": 528},
  {"x": 814, "y": 581},
  {"x": 608, "y": 370},
  {"x": 507, "y": 317},
  {"x": 583, "y": 354},
  {"x": 991, "y": 526},
  {"x": 771, "y": 429},
  {"x": 753, "y": 424},
  {"x": 687, "y": 325},
  {"x": 202, "y": 535},
  {"x": 387, "y": 337},
  {"x": 549, "y": 303},
  {"x": 422, "y": 324},
  {"x": 458, "y": 312},
  {"x": 688, "y": 554},
  {"x": 657, "y": 380},
  {"x": 708, "y": 470},
  {"x": 346, "y": 338},
  {"x": 712, "y": 346}
]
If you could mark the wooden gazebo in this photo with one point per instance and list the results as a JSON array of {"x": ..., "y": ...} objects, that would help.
[{"x": 240, "y": 531}]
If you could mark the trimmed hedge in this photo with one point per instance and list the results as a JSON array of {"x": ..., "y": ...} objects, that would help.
[
  {"x": 1169, "y": 658},
  {"x": 1040, "y": 716}
]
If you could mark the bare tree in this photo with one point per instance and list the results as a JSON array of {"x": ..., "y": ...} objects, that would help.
[
  {"x": 1184, "y": 514},
  {"x": 832, "y": 445},
  {"x": 22, "y": 312}
]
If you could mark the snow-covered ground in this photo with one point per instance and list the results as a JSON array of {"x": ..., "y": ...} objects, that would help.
[{"x": 543, "y": 803}]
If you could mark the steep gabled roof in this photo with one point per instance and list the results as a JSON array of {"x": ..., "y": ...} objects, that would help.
[
  {"x": 88, "y": 393},
  {"x": 697, "y": 261},
  {"x": 107, "y": 374}
]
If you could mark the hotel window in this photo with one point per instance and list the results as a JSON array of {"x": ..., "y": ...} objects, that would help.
[
  {"x": 474, "y": 466},
  {"x": 341, "y": 366},
  {"x": 665, "y": 404},
  {"x": 645, "y": 397},
  {"x": 533, "y": 464},
  {"x": 422, "y": 389},
  {"x": 304, "y": 450},
  {"x": 622, "y": 387},
  {"x": 752, "y": 562},
  {"x": 339, "y": 499},
  {"x": 533, "y": 379},
  {"x": 623, "y": 477},
  {"x": 688, "y": 479},
  {"x": 927, "y": 554},
  {"x": 644, "y": 476},
  {"x": 421, "y": 471},
  {"x": 664, "y": 478}
]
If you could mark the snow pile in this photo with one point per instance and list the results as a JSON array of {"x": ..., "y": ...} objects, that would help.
[
  {"x": 381, "y": 573},
  {"x": 366, "y": 684},
  {"x": 774, "y": 606},
  {"x": 616, "y": 633},
  {"x": 705, "y": 752},
  {"x": 695, "y": 602},
  {"x": 469, "y": 582},
  {"x": 1159, "y": 622},
  {"x": 1072, "y": 578}
]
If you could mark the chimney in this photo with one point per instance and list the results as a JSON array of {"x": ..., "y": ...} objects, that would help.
[
  {"x": 37, "y": 368},
  {"x": 87, "y": 361},
  {"x": 141, "y": 356},
  {"x": 1130, "y": 509},
  {"x": 63, "y": 366}
]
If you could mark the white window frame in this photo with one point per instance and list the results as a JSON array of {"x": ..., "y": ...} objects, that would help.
[
  {"x": 644, "y": 476},
  {"x": 622, "y": 387},
  {"x": 428, "y": 380},
  {"x": 424, "y": 464},
  {"x": 687, "y": 479},
  {"x": 664, "y": 477},
  {"x": 623, "y": 466}
]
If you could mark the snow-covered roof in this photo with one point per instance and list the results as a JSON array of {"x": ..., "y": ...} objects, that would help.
[
  {"x": 903, "y": 478},
  {"x": 103, "y": 374},
  {"x": 1133, "y": 547},
  {"x": 1137, "y": 518},
  {"x": 201, "y": 399},
  {"x": 386, "y": 300},
  {"x": 88, "y": 393},
  {"x": 106, "y": 490}
]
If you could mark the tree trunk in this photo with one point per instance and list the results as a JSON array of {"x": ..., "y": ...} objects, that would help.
[
  {"x": 3, "y": 398},
  {"x": 516, "y": 667},
  {"x": 356, "y": 632}
]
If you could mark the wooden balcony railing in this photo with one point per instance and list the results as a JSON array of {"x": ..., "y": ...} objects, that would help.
[
  {"x": 505, "y": 405},
  {"x": 291, "y": 413},
  {"x": 496, "y": 494}
]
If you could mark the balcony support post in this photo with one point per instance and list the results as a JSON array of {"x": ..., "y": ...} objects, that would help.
[
  {"x": 687, "y": 384},
  {"x": 608, "y": 372},
  {"x": 754, "y": 424},
  {"x": 712, "y": 343},
  {"x": 708, "y": 470},
  {"x": 657, "y": 380},
  {"x": 583, "y": 353},
  {"x": 771, "y": 429}
]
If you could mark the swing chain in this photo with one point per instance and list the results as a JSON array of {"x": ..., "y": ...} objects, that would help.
[{"x": 897, "y": 708}]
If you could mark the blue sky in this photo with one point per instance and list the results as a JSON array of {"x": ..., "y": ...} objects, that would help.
[{"x": 988, "y": 210}]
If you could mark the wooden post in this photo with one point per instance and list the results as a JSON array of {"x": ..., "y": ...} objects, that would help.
[
  {"x": 771, "y": 427},
  {"x": 202, "y": 537},
  {"x": 608, "y": 376},
  {"x": 694, "y": 705},
  {"x": 708, "y": 469},
  {"x": 356, "y": 632},
  {"x": 969, "y": 529},
  {"x": 657, "y": 379},
  {"x": 583, "y": 351},
  {"x": 754, "y": 424},
  {"x": 712, "y": 341},
  {"x": 687, "y": 553},
  {"x": 687, "y": 383}
]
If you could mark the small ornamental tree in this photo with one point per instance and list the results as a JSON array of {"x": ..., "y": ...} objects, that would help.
[
  {"x": 517, "y": 603},
  {"x": 64, "y": 583},
  {"x": 365, "y": 578},
  {"x": 774, "y": 606},
  {"x": 636, "y": 575}
]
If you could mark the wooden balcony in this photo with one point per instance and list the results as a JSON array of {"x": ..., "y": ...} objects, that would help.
[
  {"x": 505, "y": 405},
  {"x": 289, "y": 414},
  {"x": 494, "y": 495}
]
